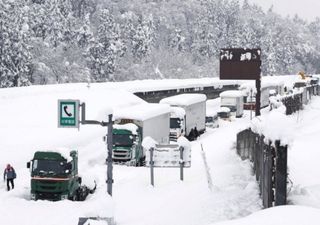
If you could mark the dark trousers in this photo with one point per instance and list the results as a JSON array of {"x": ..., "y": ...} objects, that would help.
[{"x": 8, "y": 184}]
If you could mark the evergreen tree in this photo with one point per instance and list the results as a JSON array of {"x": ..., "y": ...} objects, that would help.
[
  {"x": 103, "y": 53},
  {"x": 142, "y": 39},
  {"x": 15, "y": 57}
]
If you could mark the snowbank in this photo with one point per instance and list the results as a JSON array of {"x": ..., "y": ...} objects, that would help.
[
  {"x": 274, "y": 126},
  {"x": 281, "y": 215},
  {"x": 148, "y": 143}
]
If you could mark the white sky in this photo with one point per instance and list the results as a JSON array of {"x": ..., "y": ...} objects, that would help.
[{"x": 307, "y": 9}]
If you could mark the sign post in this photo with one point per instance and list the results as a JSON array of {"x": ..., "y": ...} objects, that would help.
[
  {"x": 242, "y": 64},
  {"x": 68, "y": 117},
  {"x": 151, "y": 166},
  {"x": 168, "y": 156},
  {"x": 181, "y": 163},
  {"x": 109, "y": 159}
]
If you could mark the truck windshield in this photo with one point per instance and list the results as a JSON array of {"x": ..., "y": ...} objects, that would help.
[
  {"x": 209, "y": 119},
  {"x": 122, "y": 139},
  {"x": 49, "y": 167},
  {"x": 175, "y": 123}
]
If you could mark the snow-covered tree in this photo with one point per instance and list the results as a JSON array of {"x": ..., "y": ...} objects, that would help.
[
  {"x": 15, "y": 57},
  {"x": 103, "y": 52},
  {"x": 142, "y": 39}
]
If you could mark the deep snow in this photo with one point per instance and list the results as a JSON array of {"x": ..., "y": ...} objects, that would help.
[{"x": 28, "y": 123}]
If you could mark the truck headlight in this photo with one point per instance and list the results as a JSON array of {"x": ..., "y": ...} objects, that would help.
[
  {"x": 33, "y": 196},
  {"x": 63, "y": 197}
]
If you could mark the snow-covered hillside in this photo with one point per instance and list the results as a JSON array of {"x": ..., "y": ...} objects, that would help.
[{"x": 28, "y": 123}]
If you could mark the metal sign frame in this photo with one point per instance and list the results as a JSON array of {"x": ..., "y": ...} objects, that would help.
[{"x": 169, "y": 156}]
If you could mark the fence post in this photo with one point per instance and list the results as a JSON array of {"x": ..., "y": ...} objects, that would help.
[
  {"x": 152, "y": 166},
  {"x": 181, "y": 163},
  {"x": 281, "y": 174}
]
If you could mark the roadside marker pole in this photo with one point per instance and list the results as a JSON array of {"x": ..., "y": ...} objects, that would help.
[
  {"x": 151, "y": 166},
  {"x": 181, "y": 163},
  {"x": 109, "y": 144}
]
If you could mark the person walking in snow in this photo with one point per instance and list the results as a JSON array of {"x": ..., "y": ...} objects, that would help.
[{"x": 10, "y": 174}]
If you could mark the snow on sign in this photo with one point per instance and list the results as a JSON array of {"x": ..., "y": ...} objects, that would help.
[
  {"x": 169, "y": 156},
  {"x": 68, "y": 113},
  {"x": 240, "y": 64}
]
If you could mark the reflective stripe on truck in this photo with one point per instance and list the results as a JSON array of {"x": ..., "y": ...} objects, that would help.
[{"x": 50, "y": 178}]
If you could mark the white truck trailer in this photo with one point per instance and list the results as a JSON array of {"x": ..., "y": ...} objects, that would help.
[
  {"x": 133, "y": 124},
  {"x": 188, "y": 114},
  {"x": 233, "y": 100}
]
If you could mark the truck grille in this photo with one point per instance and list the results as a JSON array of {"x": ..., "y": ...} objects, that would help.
[
  {"x": 121, "y": 155},
  {"x": 50, "y": 186},
  {"x": 173, "y": 137},
  {"x": 49, "y": 196}
]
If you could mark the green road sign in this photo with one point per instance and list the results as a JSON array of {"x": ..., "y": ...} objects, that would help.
[{"x": 68, "y": 113}]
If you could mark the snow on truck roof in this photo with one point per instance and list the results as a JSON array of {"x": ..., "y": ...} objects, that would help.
[
  {"x": 231, "y": 94},
  {"x": 223, "y": 110},
  {"x": 177, "y": 112},
  {"x": 184, "y": 99},
  {"x": 129, "y": 126},
  {"x": 142, "y": 111}
]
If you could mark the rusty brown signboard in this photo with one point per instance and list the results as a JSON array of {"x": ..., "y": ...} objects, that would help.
[{"x": 240, "y": 64}]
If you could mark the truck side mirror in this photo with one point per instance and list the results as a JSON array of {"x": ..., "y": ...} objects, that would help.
[
  {"x": 28, "y": 165},
  {"x": 68, "y": 166}
]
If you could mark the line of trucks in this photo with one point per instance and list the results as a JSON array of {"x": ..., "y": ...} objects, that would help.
[
  {"x": 181, "y": 115},
  {"x": 54, "y": 174}
]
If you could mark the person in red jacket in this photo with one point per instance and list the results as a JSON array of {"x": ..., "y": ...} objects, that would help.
[{"x": 10, "y": 174}]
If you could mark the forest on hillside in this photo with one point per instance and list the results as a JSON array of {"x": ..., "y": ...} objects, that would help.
[{"x": 67, "y": 41}]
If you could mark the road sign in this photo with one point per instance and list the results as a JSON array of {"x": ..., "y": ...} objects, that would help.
[
  {"x": 68, "y": 113},
  {"x": 240, "y": 64},
  {"x": 169, "y": 156}
]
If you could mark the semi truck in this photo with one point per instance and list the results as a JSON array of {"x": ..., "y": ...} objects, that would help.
[
  {"x": 132, "y": 125},
  {"x": 54, "y": 176},
  {"x": 233, "y": 100},
  {"x": 188, "y": 114}
]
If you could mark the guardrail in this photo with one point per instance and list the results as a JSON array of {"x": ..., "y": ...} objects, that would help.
[
  {"x": 210, "y": 91},
  {"x": 269, "y": 164},
  {"x": 295, "y": 102}
]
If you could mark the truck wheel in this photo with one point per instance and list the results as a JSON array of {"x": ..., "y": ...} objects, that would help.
[
  {"x": 75, "y": 198},
  {"x": 141, "y": 162}
]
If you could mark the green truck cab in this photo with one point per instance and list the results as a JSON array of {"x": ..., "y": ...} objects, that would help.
[
  {"x": 54, "y": 176},
  {"x": 127, "y": 146}
]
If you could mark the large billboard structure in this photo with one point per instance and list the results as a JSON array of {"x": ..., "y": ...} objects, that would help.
[{"x": 242, "y": 64}]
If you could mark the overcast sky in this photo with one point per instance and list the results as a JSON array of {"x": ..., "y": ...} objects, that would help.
[{"x": 307, "y": 9}]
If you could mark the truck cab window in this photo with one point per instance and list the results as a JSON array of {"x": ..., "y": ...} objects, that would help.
[
  {"x": 175, "y": 123},
  {"x": 44, "y": 167}
]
